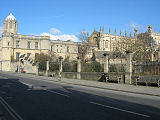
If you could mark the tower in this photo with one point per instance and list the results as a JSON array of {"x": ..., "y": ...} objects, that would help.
[
  {"x": 9, "y": 29},
  {"x": 10, "y": 24}
]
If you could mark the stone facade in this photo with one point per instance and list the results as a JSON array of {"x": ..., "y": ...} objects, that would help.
[{"x": 15, "y": 46}]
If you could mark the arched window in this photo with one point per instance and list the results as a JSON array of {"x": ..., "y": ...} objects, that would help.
[
  {"x": 94, "y": 40},
  {"x": 106, "y": 44}
]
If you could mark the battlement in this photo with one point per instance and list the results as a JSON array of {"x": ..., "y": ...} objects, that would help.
[{"x": 32, "y": 37}]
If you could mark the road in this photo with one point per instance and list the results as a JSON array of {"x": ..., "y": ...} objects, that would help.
[{"x": 26, "y": 98}]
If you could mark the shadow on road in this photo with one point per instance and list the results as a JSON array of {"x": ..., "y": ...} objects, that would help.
[{"x": 38, "y": 104}]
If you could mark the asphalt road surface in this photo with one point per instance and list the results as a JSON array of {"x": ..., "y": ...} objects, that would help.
[{"x": 26, "y": 98}]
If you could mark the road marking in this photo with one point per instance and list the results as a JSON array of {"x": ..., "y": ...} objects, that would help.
[
  {"x": 56, "y": 92},
  {"x": 119, "y": 109},
  {"x": 10, "y": 110},
  {"x": 29, "y": 85}
]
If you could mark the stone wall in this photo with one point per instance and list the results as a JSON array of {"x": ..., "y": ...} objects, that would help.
[{"x": 28, "y": 68}]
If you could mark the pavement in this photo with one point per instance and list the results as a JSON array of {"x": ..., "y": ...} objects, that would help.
[
  {"x": 31, "y": 97},
  {"x": 145, "y": 90}
]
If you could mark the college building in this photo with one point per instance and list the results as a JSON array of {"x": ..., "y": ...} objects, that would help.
[{"x": 14, "y": 46}]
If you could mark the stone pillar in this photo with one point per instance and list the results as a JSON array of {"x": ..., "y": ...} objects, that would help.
[
  {"x": 106, "y": 63},
  {"x": 60, "y": 66},
  {"x": 129, "y": 67},
  {"x": 78, "y": 68},
  {"x": 47, "y": 68},
  {"x": 37, "y": 69}
]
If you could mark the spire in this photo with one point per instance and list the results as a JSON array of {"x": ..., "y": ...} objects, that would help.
[
  {"x": 120, "y": 33},
  {"x": 125, "y": 33},
  {"x": 100, "y": 28},
  {"x": 109, "y": 30},
  {"x": 130, "y": 34},
  {"x": 135, "y": 32},
  {"x": 103, "y": 29},
  {"x": 142, "y": 33},
  {"x": 87, "y": 34},
  {"x": 115, "y": 32},
  {"x": 94, "y": 29}
]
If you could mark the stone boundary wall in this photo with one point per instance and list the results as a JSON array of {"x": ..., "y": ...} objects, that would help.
[{"x": 94, "y": 76}]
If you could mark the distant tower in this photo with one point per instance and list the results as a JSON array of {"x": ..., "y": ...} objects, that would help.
[
  {"x": 10, "y": 24},
  {"x": 115, "y": 32},
  {"x": 94, "y": 29},
  {"x": 100, "y": 28},
  {"x": 103, "y": 29}
]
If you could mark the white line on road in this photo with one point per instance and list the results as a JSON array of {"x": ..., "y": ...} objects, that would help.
[
  {"x": 119, "y": 109},
  {"x": 29, "y": 85},
  {"x": 56, "y": 92},
  {"x": 10, "y": 110}
]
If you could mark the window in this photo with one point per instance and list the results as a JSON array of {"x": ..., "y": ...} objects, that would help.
[
  {"x": 51, "y": 47},
  {"x": 8, "y": 43},
  {"x": 17, "y": 44},
  {"x": 154, "y": 55},
  {"x": 6, "y": 25},
  {"x": 67, "y": 49},
  {"x": 36, "y": 45},
  {"x": 36, "y": 54},
  {"x": 17, "y": 56},
  {"x": 28, "y": 54},
  {"x": 10, "y": 25},
  {"x": 106, "y": 44},
  {"x": 28, "y": 45}
]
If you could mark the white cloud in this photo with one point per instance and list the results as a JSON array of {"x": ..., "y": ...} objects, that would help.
[
  {"x": 1, "y": 30},
  {"x": 55, "y": 31},
  {"x": 63, "y": 37}
]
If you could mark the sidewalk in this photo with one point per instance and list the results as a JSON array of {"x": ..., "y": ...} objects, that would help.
[{"x": 146, "y": 90}]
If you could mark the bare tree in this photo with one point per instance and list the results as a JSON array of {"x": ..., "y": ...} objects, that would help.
[
  {"x": 141, "y": 47},
  {"x": 83, "y": 48}
]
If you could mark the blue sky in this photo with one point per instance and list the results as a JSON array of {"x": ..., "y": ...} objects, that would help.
[{"x": 68, "y": 17}]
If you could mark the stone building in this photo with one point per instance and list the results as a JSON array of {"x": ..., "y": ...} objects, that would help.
[
  {"x": 14, "y": 46},
  {"x": 156, "y": 49}
]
